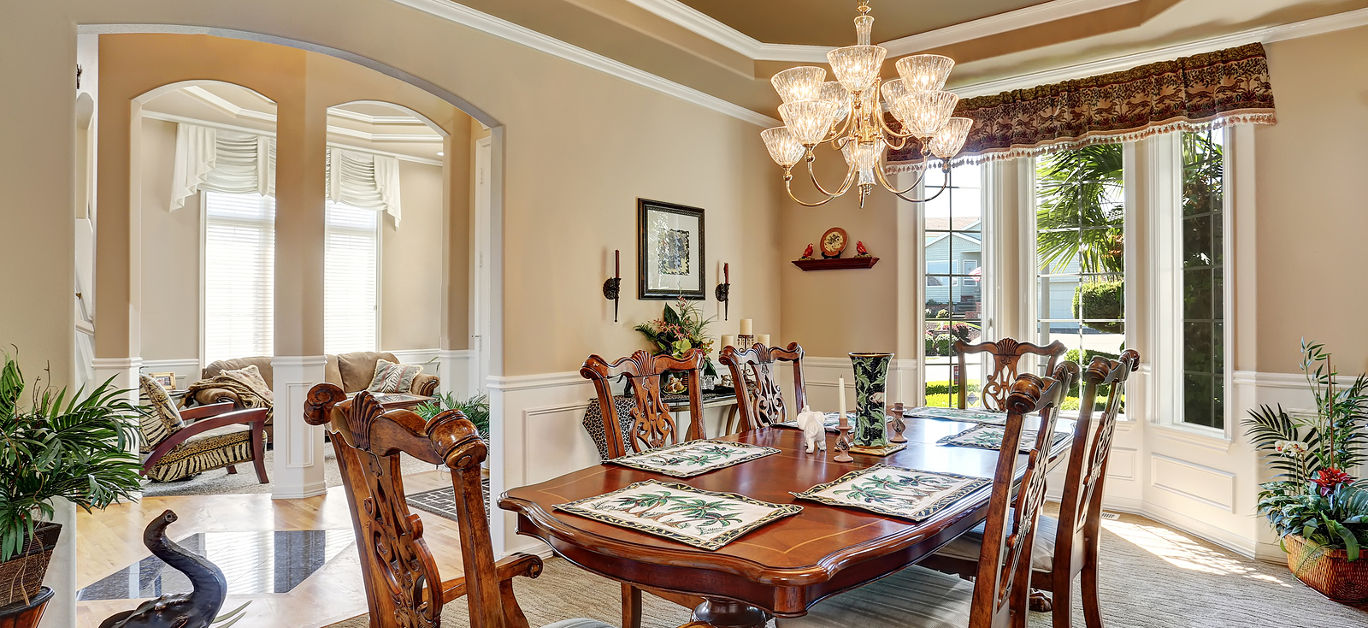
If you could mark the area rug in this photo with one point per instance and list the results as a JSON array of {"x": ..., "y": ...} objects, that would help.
[
  {"x": 442, "y": 501},
  {"x": 219, "y": 482},
  {"x": 1151, "y": 576}
]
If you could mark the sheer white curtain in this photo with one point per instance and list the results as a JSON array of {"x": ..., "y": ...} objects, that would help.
[
  {"x": 364, "y": 180},
  {"x": 221, "y": 161}
]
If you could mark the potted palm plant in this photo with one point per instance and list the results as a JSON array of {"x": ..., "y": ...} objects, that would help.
[
  {"x": 1319, "y": 510},
  {"x": 54, "y": 445}
]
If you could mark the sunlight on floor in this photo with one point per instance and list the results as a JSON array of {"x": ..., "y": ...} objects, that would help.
[{"x": 1186, "y": 553}]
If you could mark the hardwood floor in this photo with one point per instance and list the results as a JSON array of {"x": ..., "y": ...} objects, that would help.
[{"x": 111, "y": 540}]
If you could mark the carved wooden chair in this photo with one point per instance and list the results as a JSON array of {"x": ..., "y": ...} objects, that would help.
[
  {"x": 649, "y": 426},
  {"x": 403, "y": 586},
  {"x": 764, "y": 405},
  {"x": 998, "y": 597},
  {"x": 1069, "y": 544},
  {"x": 1006, "y": 354}
]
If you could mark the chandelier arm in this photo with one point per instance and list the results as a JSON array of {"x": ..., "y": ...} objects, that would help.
[
  {"x": 788, "y": 187},
  {"x": 845, "y": 185},
  {"x": 902, "y": 142},
  {"x": 845, "y": 125},
  {"x": 883, "y": 180},
  {"x": 884, "y": 123}
]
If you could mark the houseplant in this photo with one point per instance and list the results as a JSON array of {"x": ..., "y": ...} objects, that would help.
[
  {"x": 1319, "y": 510},
  {"x": 76, "y": 447},
  {"x": 475, "y": 409},
  {"x": 678, "y": 330}
]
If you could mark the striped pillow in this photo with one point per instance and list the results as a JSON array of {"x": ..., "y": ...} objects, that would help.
[
  {"x": 162, "y": 419},
  {"x": 391, "y": 378}
]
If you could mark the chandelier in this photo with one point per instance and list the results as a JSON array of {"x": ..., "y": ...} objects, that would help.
[{"x": 848, "y": 113}]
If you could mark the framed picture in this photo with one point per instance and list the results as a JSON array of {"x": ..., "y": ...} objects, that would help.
[
  {"x": 669, "y": 251},
  {"x": 167, "y": 379}
]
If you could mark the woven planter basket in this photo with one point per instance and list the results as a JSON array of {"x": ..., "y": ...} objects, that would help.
[
  {"x": 1328, "y": 571},
  {"x": 22, "y": 576}
]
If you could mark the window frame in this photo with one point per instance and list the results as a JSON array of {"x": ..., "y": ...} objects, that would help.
[
  {"x": 203, "y": 272},
  {"x": 379, "y": 271}
]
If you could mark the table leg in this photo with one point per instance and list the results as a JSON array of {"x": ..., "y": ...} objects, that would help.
[{"x": 730, "y": 614}]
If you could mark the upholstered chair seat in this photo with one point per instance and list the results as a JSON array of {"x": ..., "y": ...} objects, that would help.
[
  {"x": 579, "y": 623},
  {"x": 966, "y": 547},
  {"x": 915, "y": 597}
]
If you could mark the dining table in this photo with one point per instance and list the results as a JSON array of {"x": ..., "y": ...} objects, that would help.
[{"x": 788, "y": 565}]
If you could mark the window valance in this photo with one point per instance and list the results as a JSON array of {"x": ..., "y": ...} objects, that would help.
[
  {"x": 1207, "y": 90},
  {"x": 235, "y": 162}
]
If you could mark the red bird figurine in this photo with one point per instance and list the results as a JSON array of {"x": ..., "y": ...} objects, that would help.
[
  {"x": 807, "y": 252},
  {"x": 860, "y": 248}
]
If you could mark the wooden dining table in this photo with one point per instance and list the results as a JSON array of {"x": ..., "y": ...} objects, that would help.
[{"x": 787, "y": 566}]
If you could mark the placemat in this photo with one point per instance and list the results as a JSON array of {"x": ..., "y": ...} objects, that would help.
[
  {"x": 895, "y": 491},
  {"x": 686, "y": 460},
  {"x": 990, "y": 437},
  {"x": 955, "y": 414},
  {"x": 681, "y": 512}
]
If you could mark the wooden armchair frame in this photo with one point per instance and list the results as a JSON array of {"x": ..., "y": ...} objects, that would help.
[
  {"x": 201, "y": 419},
  {"x": 403, "y": 586},
  {"x": 765, "y": 405},
  {"x": 1007, "y": 354}
]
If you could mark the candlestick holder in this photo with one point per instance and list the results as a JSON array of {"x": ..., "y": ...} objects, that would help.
[
  {"x": 723, "y": 291},
  {"x": 612, "y": 287},
  {"x": 898, "y": 412},
  {"x": 744, "y": 341},
  {"x": 842, "y": 446}
]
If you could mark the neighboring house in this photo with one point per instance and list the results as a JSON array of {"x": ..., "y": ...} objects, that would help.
[{"x": 954, "y": 259}]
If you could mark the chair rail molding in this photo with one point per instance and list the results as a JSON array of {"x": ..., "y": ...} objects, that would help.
[{"x": 298, "y": 467}]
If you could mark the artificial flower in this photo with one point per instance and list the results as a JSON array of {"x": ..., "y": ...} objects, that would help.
[{"x": 1329, "y": 479}]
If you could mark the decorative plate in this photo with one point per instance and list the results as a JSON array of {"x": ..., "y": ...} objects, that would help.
[
  {"x": 686, "y": 460},
  {"x": 834, "y": 241},
  {"x": 990, "y": 437},
  {"x": 955, "y": 414},
  {"x": 895, "y": 491},
  {"x": 681, "y": 512}
]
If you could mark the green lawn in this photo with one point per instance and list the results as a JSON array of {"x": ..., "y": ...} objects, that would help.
[{"x": 938, "y": 395}]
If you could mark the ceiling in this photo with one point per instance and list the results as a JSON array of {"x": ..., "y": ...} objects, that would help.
[{"x": 829, "y": 22}]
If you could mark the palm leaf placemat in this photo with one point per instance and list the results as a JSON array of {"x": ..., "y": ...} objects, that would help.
[
  {"x": 681, "y": 512},
  {"x": 955, "y": 414},
  {"x": 686, "y": 460},
  {"x": 990, "y": 437},
  {"x": 895, "y": 491}
]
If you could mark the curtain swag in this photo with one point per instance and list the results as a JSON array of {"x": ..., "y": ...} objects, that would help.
[
  {"x": 240, "y": 163},
  {"x": 1209, "y": 90}
]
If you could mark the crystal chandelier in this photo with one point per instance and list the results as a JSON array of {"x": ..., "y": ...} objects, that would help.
[{"x": 849, "y": 113}]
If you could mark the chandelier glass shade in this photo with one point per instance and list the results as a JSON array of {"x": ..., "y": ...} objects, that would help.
[{"x": 848, "y": 113}]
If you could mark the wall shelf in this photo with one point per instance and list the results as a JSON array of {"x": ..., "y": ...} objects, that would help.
[{"x": 837, "y": 263}]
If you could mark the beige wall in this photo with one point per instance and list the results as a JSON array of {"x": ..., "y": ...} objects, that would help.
[
  {"x": 1312, "y": 213},
  {"x": 411, "y": 263}
]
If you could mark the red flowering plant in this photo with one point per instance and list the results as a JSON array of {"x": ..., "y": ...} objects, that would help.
[
  {"x": 680, "y": 329},
  {"x": 1312, "y": 495}
]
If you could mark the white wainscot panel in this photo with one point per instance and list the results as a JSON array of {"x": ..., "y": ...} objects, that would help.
[
  {"x": 1213, "y": 487},
  {"x": 556, "y": 442},
  {"x": 1121, "y": 464}
]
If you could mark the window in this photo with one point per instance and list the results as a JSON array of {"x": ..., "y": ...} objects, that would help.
[
  {"x": 1203, "y": 294},
  {"x": 1080, "y": 252},
  {"x": 953, "y": 228},
  {"x": 351, "y": 288},
  {"x": 239, "y": 275}
]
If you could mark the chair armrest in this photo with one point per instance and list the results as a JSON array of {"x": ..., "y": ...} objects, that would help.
[
  {"x": 210, "y": 396},
  {"x": 425, "y": 385},
  {"x": 255, "y": 417},
  {"x": 197, "y": 413},
  {"x": 527, "y": 565}
]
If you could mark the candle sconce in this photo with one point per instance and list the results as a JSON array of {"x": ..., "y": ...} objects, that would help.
[
  {"x": 723, "y": 292},
  {"x": 612, "y": 287}
]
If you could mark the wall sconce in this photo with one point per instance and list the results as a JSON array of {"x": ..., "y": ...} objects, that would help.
[
  {"x": 612, "y": 287},
  {"x": 724, "y": 290}
]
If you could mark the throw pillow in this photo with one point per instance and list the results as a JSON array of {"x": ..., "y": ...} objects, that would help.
[
  {"x": 250, "y": 376},
  {"x": 392, "y": 378},
  {"x": 162, "y": 419}
]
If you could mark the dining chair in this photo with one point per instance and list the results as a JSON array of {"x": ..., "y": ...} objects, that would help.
[
  {"x": 1069, "y": 545},
  {"x": 648, "y": 426},
  {"x": 998, "y": 597},
  {"x": 1006, "y": 354},
  {"x": 403, "y": 585},
  {"x": 763, "y": 405}
]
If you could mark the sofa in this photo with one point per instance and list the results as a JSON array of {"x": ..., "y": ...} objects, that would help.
[{"x": 350, "y": 371}]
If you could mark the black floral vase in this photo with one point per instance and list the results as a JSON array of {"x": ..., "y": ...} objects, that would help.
[{"x": 871, "y": 379}]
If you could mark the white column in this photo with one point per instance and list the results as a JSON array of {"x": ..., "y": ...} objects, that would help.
[
  {"x": 458, "y": 378},
  {"x": 124, "y": 371},
  {"x": 298, "y": 468},
  {"x": 61, "y": 573}
]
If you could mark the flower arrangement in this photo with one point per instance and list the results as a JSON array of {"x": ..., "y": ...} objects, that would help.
[
  {"x": 678, "y": 330},
  {"x": 1313, "y": 496}
]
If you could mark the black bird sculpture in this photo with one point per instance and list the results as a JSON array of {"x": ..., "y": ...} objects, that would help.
[{"x": 196, "y": 609}]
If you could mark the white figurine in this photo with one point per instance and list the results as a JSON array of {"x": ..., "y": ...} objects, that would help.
[{"x": 813, "y": 425}]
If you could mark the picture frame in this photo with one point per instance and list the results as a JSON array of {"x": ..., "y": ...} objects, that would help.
[
  {"x": 167, "y": 379},
  {"x": 670, "y": 251}
]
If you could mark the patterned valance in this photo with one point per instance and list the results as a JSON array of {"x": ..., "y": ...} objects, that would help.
[{"x": 1208, "y": 90}]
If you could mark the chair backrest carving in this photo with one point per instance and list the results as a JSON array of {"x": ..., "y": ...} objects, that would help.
[
  {"x": 1080, "y": 508},
  {"x": 652, "y": 425},
  {"x": 1002, "y": 586},
  {"x": 763, "y": 405},
  {"x": 401, "y": 577},
  {"x": 1006, "y": 354}
]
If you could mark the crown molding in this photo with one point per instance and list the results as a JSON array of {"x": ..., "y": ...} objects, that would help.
[
  {"x": 1266, "y": 35},
  {"x": 504, "y": 29},
  {"x": 709, "y": 27},
  {"x": 228, "y": 107},
  {"x": 171, "y": 117}
]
